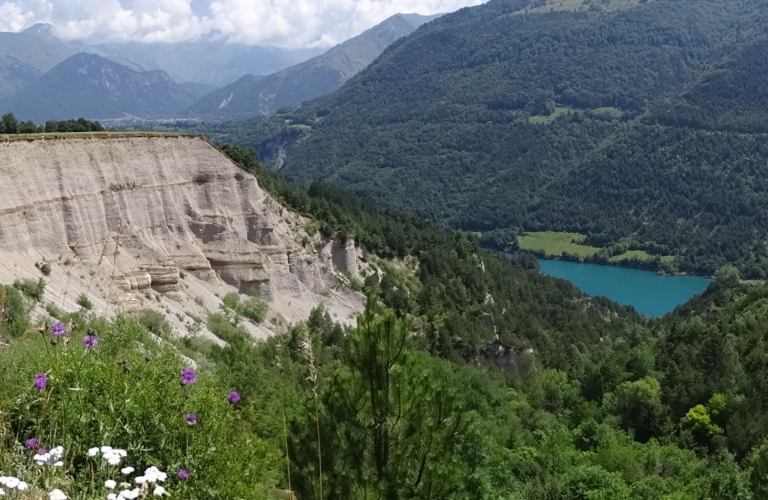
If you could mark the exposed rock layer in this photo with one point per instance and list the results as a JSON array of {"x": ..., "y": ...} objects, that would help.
[{"x": 125, "y": 217}]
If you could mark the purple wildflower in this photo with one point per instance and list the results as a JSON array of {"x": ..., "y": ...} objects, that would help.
[
  {"x": 188, "y": 377},
  {"x": 32, "y": 443},
  {"x": 41, "y": 380},
  {"x": 58, "y": 329},
  {"x": 42, "y": 451},
  {"x": 183, "y": 474},
  {"x": 191, "y": 418},
  {"x": 234, "y": 397},
  {"x": 90, "y": 341}
]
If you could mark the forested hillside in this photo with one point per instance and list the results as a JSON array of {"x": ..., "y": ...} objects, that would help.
[
  {"x": 627, "y": 125},
  {"x": 469, "y": 375}
]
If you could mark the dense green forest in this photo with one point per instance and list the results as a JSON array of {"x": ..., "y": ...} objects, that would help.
[{"x": 642, "y": 125}]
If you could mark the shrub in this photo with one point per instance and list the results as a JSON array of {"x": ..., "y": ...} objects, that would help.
[
  {"x": 225, "y": 330},
  {"x": 154, "y": 322},
  {"x": 14, "y": 316},
  {"x": 31, "y": 288},
  {"x": 44, "y": 268},
  {"x": 84, "y": 302},
  {"x": 252, "y": 308},
  {"x": 231, "y": 300},
  {"x": 55, "y": 311}
]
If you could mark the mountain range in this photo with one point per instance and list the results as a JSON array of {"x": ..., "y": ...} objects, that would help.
[
  {"x": 208, "y": 62},
  {"x": 253, "y": 95},
  {"x": 91, "y": 86},
  {"x": 43, "y": 78}
]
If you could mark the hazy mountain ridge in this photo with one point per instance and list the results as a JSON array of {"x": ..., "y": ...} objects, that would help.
[
  {"x": 314, "y": 78},
  {"x": 93, "y": 87},
  {"x": 15, "y": 75},
  {"x": 207, "y": 62}
]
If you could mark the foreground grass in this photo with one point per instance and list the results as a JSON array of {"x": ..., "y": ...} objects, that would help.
[{"x": 124, "y": 390}]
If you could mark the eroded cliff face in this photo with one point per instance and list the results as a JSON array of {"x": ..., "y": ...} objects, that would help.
[{"x": 122, "y": 219}]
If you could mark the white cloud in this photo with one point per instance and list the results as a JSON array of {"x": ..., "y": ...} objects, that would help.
[{"x": 286, "y": 23}]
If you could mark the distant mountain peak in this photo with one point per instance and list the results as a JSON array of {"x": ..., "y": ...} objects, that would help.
[{"x": 40, "y": 30}]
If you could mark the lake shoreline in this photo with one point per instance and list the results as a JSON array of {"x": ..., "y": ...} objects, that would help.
[
  {"x": 650, "y": 293},
  {"x": 579, "y": 260}
]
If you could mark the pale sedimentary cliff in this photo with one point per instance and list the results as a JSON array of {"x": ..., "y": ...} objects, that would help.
[{"x": 162, "y": 222}]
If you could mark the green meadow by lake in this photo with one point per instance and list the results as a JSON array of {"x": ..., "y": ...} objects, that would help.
[{"x": 648, "y": 292}]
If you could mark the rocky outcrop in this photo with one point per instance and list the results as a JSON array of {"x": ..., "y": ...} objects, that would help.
[{"x": 123, "y": 217}]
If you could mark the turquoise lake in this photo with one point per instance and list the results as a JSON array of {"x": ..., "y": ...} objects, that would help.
[{"x": 646, "y": 291}]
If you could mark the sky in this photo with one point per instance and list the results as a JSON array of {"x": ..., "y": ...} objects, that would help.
[{"x": 282, "y": 23}]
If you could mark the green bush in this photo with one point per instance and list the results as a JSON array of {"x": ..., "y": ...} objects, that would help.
[
  {"x": 252, "y": 308},
  {"x": 31, "y": 288},
  {"x": 225, "y": 330},
  {"x": 14, "y": 317},
  {"x": 154, "y": 322},
  {"x": 44, "y": 268},
  {"x": 84, "y": 302},
  {"x": 55, "y": 311}
]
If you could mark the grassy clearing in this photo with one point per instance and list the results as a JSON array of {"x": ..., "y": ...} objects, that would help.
[
  {"x": 559, "y": 111},
  {"x": 553, "y": 244},
  {"x": 90, "y": 135},
  {"x": 632, "y": 255},
  {"x": 580, "y": 5},
  {"x": 609, "y": 112}
]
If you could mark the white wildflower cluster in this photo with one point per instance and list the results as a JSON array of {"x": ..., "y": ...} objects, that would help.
[
  {"x": 57, "y": 495},
  {"x": 52, "y": 457},
  {"x": 113, "y": 456},
  {"x": 12, "y": 483},
  {"x": 151, "y": 477}
]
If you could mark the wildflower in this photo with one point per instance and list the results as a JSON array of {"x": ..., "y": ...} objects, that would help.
[
  {"x": 130, "y": 494},
  {"x": 188, "y": 377},
  {"x": 58, "y": 329},
  {"x": 52, "y": 457},
  {"x": 2, "y": 493},
  {"x": 41, "y": 380},
  {"x": 10, "y": 482},
  {"x": 42, "y": 450},
  {"x": 234, "y": 397},
  {"x": 112, "y": 496},
  {"x": 93, "y": 452},
  {"x": 159, "y": 491},
  {"x": 183, "y": 474},
  {"x": 57, "y": 494},
  {"x": 22, "y": 486},
  {"x": 90, "y": 341},
  {"x": 191, "y": 418},
  {"x": 152, "y": 475},
  {"x": 110, "y": 484},
  {"x": 127, "y": 470},
  {"x": 113, "y": 456},
  {"x": 32, "y": 443}
]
